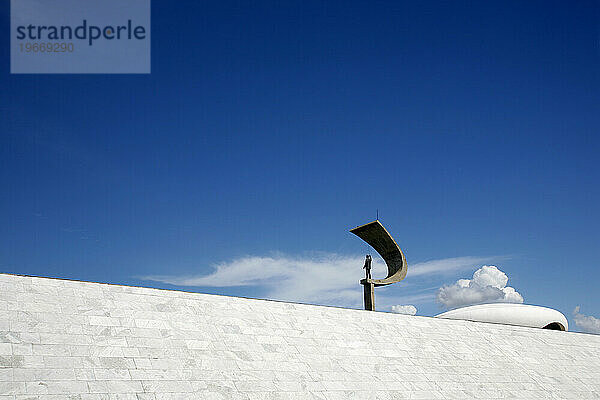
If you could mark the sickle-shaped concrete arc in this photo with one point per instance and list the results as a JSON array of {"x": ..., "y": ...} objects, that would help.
[{"x": 380, "y": 239}]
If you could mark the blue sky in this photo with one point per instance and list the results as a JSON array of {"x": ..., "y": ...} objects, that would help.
[{"x": 267, "y": 130}]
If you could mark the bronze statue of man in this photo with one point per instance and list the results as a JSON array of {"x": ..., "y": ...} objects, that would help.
[{"x": 367, "y": 266}]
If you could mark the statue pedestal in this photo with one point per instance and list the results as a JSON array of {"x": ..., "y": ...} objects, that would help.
[{"x": 369, "y": 289}]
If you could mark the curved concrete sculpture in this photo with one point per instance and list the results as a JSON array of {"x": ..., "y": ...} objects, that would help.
[
  {"x": 511, "y": 314},
  {"x": 380, "y": 239}
]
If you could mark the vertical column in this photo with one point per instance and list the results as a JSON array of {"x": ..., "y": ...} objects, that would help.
[{"x": 369, "y": 295}]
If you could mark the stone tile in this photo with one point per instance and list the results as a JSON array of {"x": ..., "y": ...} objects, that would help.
[
  {"x": 115, "y": 387},
  {"x": 104, "y": 342},
  {"x": 7, "y": 388}
]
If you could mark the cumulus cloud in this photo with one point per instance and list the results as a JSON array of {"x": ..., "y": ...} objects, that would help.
[
  {"x": 407, "y": 309},
  {"x": 487, "y": 286},
  {"x": 586, "y": 323},
  {"x": 318, "y": 278}
]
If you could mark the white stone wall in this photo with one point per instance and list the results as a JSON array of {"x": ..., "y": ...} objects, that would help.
[{"x": 76, "y": 340}]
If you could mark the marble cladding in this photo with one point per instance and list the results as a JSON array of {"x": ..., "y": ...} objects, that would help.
[{"x": 74, "y": 340}]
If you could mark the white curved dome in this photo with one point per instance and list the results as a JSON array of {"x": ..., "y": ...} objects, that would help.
[{"x": 511, "y": 314}]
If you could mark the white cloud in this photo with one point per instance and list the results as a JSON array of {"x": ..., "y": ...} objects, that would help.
[
  {"x": 408, "y": 309},
  {"x": 317, "y": 278},
  {"x": 322, "y": 278},
  {"x": 586, "y": 323},
  {"x": 487, "y": 286},
  {"x": 446, "y": 265}
]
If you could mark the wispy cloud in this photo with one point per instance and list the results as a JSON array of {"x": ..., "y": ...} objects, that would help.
[
  {"x": 318, "y": 278},
  {"x": 487, "y": 286},
  {"x": 448, "y": 265},
  {"x": 586, "y": 323}
]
